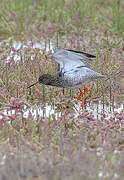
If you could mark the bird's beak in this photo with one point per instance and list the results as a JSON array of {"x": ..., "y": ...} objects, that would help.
[{"x": 33, "y": 84}]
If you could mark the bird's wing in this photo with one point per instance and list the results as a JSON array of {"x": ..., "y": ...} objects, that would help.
[
  {"x": 82, "y": 75},
  {"x": 84, "y": 55},
  {"x": 70, "y": 58}
]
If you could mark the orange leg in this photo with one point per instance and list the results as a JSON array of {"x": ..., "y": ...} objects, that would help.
[
  {"x": 78, "y": 96},
  {"x": 86, "y": 90}
]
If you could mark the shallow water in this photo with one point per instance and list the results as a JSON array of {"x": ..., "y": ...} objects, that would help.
[
  {"x": 101, "y": 110},
  {"x": 98, "y": 111},
  {"x": 17, "y": 45}
]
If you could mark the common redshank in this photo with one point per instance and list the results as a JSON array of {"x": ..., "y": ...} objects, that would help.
[{"x": 74, "y": 72}]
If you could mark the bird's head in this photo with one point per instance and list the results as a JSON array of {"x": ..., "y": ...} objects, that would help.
[{"x": 42, "y": 79}]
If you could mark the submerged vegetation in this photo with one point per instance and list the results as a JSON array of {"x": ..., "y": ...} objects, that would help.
[{"x": 43, "y": 134}]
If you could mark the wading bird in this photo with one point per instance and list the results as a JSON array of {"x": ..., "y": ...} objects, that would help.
[{"x": 74, "y": 71}]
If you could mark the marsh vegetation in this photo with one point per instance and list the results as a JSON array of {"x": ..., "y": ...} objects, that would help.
[{"x": 43, "y": 133}]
